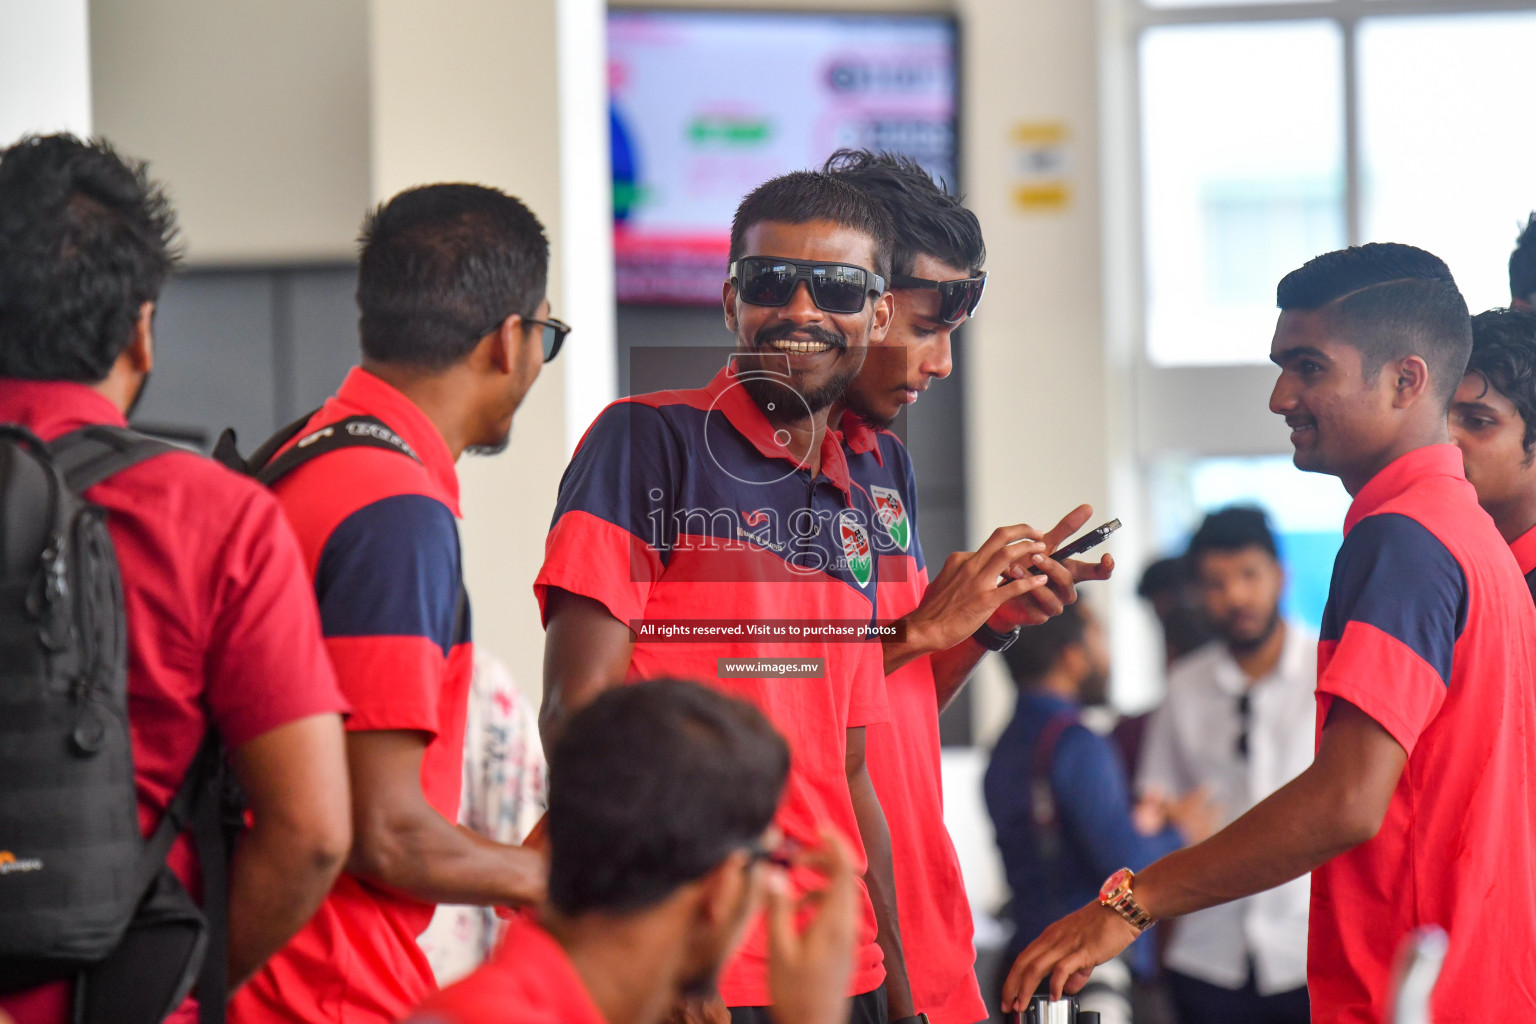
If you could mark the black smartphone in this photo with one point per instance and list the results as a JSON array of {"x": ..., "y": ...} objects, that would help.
[{"x": 1092, "y": 539}]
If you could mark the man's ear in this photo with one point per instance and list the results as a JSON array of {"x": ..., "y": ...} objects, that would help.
[
  {"x": 503, "y": 344},
  {"x": 728, "y": 299},
  {"x": 141, "y": 345},
  {"x": 1413, "y": 384},
  {"x": 720, "y": 890},
  {"x": 885, "y": 314}
]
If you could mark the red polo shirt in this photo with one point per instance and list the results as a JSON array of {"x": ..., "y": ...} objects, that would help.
[
  {"x": 1430, "y": 631},
  {"x": 683, "y": 505},
  {"x": 222, "y": 630},
  {"x": 379, "y": 535},
  {"x": 904, "y": 753},
  {"x": 528, "y": 980}
]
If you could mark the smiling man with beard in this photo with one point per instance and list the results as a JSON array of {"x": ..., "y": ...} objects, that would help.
[
  {"x": 1238, "y": 723},
  {"x": 733, "y": 504}
]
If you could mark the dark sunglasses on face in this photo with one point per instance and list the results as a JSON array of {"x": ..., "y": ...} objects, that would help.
[
  {"x": 835, "y": 287},
  {"x": 957, "y": 299},
  {"x": 553, "y": 336}
]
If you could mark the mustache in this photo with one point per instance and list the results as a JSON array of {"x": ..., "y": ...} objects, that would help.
[{"x": 812, "y": 332}]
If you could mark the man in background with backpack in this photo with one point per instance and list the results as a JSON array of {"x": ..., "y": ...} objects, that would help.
[
  {"x": 455, "y": 327},
  {"x": 222, "y": 632}
]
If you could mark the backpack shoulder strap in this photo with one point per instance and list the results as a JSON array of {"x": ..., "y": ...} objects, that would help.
[
  {"x": 89, "y": 455},
  {"x": 226, "y": 450},
  {"x": 352, "y": 432}
]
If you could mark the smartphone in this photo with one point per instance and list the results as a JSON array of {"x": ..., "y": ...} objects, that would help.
[{"x": 1092, "y": 539}]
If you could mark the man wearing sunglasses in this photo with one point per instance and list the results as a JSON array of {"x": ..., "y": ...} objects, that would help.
[
  {"x": 454, "y": 328},
  {"x": 733, "y": 503}
]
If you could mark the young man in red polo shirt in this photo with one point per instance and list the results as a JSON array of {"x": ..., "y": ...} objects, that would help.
[
  {"x": 1420, "y": 808},
  {"x": 455, "y": 326},
  {"x": 222, "y": 630},
  {"x": 1493, "y": 422},
  {"x": 938, "y": 280},
  {"x": 661, "y": 801}
]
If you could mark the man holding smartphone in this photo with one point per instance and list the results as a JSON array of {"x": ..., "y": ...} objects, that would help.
[{"x": 953, "y": 620}]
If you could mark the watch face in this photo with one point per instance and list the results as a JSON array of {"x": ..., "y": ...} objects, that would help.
[{"x": 1115, "y": 883}]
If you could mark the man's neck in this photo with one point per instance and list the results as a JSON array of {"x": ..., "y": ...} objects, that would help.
[
  {"x": 439, "y": 395},
  {"x": 1259, "y": 661},
  {"x": 1516, "y": 517},
  {"x": 805, "y": 437},
  {"x": 1419, "y": 436},
  {"x": 1058, "y": 684},
  {"x": 629, "y": 964}
]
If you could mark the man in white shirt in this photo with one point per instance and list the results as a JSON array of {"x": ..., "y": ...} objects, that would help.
[{"x": 1240, "y": 722}]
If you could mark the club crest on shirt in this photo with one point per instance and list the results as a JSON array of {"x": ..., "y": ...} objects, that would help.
[
  {"x": 857, "y": 550},
  {"x": 892, "y": 515}
]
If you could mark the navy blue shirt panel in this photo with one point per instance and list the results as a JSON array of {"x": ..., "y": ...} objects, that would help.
[
  {"x": 1393, "y": 574},
  {"x": 392, "y": 569}
]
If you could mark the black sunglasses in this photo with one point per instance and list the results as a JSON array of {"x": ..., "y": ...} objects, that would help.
[
  {"x": 835, "y": 287},
  {"x": 554, "y": 332},
  {"x": 957, "y": 299}
]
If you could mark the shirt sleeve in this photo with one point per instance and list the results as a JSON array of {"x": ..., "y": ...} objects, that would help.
[
  {"x": 1396, "y": 607},
  {"x": 266, "y": 665},
  {"x": 613, "y": 523},
  {"x": 1092, "y": 798},
  {"x": 868, "y": 703},
  {"x": 388, "y": 583}
]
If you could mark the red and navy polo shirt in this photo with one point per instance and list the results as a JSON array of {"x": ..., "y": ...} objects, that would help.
[
  {"x": 528, "y": 980},
  {"x": 904, "y": 753},
  {"x": 683, "y": 505},
  {"x": 379, "y": 535},
  {"x": 1430, "y": 631},
  {"x": 222, "y": 630}
]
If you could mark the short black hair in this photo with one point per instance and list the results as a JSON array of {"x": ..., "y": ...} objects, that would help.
[
  {"x": 928, "y": 220},
  {"x": 441, "y": 267},
  {"x": 1522, "y": 264},
  {"x": 1504, "y": 355},
  {"x": 1232, "y": 529},
  {"x": 801, "y": 196},
  {"x": 650, "y": 787},
  {"x": 1164, "y": 576},
  {"x": 86, "y": 238},
  {"x": 1038, "y": 648},
  {"x": 1389, "y": 301}
]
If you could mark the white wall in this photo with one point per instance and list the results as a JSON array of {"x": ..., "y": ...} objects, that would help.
[{"x": 45, "y": 73}]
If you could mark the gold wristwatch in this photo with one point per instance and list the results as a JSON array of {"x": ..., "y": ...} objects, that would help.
[{"x": 1116, "y": 895}]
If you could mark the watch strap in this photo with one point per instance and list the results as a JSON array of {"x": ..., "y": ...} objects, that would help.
[{"x": 992, "y": 640}]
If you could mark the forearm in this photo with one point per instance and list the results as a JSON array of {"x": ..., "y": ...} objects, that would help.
[
  {"x": 278, "y": 879},
  {"x": 880, "y": 881},
  {"x": 952, "y": 667},
  {"x": 428, "y": 858},
  {"x": 1298, "y": 828}
]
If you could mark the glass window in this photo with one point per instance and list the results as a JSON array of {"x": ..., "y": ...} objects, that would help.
[
  {"x": 1447, "y": 142},
  {"x": 1243, "y": 165}
]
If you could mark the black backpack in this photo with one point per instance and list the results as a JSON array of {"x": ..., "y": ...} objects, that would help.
[
  {"x": 83, "y": 894},
  {"x": 352, "y": 432}
]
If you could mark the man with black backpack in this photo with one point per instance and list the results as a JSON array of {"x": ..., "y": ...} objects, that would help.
[
  {"x": 454, "y": 329},
  {"x": 131, "y": 651}
]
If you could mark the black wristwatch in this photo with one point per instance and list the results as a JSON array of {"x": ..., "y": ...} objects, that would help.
[{"x": 992, "y": 640}]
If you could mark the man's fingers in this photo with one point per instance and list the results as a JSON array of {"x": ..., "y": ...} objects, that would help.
[
  {"x": 780, "y": 915},
  {"x": 1070, "y": 524},
  {"x": 1023, "y": 978},
  {"x": 1006, "y": 535},
  {"x": 1032, "y": 585},
  {"x": 1082, "y": 572}
]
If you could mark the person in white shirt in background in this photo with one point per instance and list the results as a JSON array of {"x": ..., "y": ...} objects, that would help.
[
  {"x": 506, "y": 790},
  {"x": 1240, "y": 722}
]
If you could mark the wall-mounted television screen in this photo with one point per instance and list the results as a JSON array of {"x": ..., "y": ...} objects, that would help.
[{"x": 705, "y": 105}]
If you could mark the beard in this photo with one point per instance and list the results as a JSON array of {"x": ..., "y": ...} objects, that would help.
[
  {"x": 1247, "y": 644},
  {"x": 490, "y": 447},
  {"x": 767, "y": 387}
]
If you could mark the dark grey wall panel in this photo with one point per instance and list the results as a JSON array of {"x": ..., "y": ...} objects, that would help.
[{"x": 324, "y": 319}]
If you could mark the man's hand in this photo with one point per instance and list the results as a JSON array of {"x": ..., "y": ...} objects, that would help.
[
  {"x": 1066, "y": 953},
  {"x": 966, "y": 593},
  {"x": 809, "y": 971},
  {"x": 1038, "y": 606}
]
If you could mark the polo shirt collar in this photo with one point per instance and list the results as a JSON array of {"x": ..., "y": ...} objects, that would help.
[
  {"x": 377, "y": 397},
  {"x": 1402, "y": 473},
  {"x": 859, "y": 436},
  {"x": 749, "y": 421},
  {"x": 55, "y": 407},
  {"x": 1524, "y": 548}
]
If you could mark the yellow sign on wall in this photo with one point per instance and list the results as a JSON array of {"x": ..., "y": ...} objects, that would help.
[{"x": 1041, "y": 166}]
